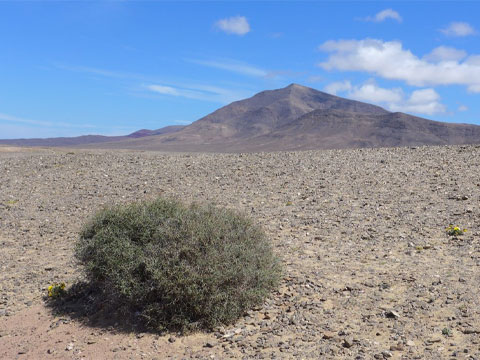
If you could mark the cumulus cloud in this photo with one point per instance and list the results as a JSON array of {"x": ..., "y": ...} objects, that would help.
[
  {"x": 338, "y": 87},
  {"x": 445, "y": 53},
  {"x": 371, "y": 92},
  {"x": 234, "y": 25},
  {"x": 390, "y": 60},
  {"x": 424, "y": 101},
  {"x": 384, "y": 15},
  {"x": 458, "y": 29}
]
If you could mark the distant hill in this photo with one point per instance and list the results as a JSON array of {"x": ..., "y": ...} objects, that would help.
[
  {"x": 164, "y": 130},
  {"x": 300, "y": 118},
  {"x": 292, "y": 118},
  {"x": 89, "y": 139}
]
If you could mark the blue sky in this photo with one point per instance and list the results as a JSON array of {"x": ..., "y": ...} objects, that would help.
[{"x": 112, "y": 67}]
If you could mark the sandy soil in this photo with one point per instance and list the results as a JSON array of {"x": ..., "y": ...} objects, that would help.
[{"x": 369, "y": 269}]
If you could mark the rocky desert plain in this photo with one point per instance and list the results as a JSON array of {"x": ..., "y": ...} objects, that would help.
[{"x": 369, "y": 270}]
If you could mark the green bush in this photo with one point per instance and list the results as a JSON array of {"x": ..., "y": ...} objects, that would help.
[{"x": 179, "y": 267}]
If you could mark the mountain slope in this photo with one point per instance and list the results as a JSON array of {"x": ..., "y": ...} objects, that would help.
[
  {"x": 292, "y": 118},
  {"x": 89, "y": 139},
  {"x": 266, "y": 112},
  {"x": 300, "y": 118},
  {"x": 335, "y": 129}
]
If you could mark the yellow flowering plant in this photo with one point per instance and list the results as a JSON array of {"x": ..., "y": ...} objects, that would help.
[
  {"x": 455, "y": 230},
  {"x": 56, "y": 290}
]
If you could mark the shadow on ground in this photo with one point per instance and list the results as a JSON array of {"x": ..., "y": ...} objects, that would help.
[{"x": 91, "y": 306}]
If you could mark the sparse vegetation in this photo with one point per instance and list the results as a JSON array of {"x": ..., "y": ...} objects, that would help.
[
  {"x": 179, "y": 267},
  {"x": 56, "y": 290},
  {"x": 455, "y": 230}
]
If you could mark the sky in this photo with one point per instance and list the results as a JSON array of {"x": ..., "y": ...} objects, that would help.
[{"x": 70, "y": 68}]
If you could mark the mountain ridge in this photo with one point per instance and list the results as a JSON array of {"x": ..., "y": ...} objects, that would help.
[
  {"x": 297, "y": 118},
  {"x": 89, "y": 139}
]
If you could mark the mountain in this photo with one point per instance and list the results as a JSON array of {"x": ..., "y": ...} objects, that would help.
[
  {"x": 161, "y": 131},
  {"x": 292, "y": 118},
  {"x": 300, "y": 118},
  {"x": 89, "y": 139}
]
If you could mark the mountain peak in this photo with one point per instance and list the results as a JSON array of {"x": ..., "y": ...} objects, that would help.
[
  {"x": 295, "y": 117},
  {"x": 296, "y": 86}
]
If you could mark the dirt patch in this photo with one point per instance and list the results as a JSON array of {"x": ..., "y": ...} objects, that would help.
[{"x": 369, "y": 269}]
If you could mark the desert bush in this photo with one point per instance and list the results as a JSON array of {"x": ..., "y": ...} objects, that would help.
[{"x": 178, "y": 266}]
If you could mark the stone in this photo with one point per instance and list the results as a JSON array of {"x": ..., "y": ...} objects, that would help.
[
  {"x": 329, "y": 335},
  {"x": 397, "y": 347},
  {"x": 392, "y": 314},
  {"x": 348, "y": 342}
]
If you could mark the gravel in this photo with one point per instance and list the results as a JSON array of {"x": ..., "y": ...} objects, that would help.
[{"x": 370, "y": 271}]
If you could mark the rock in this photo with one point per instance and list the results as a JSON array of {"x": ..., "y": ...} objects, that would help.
[
  {"x": 397, "y": 347},
  {"x": 209, "y": 345},
  {"x": 434, "y": 339},
  {"x": 171, "y": 339},
  {"x": 50, "y": 351},
  {"x": 410, "y": 343},
  {"x": 69, "y": 347},
  {"x": 329, "y": 335},
  {"x": 387, "y": 354},
  {"x": 347, "y": 342},
  {"x": 392, "y": 314}
]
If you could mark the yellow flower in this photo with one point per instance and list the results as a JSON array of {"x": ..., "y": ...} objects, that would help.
[{"x": 56, "y": 290}]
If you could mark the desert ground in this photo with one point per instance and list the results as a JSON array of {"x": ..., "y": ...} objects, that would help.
[{"x": 369, "y": 270}]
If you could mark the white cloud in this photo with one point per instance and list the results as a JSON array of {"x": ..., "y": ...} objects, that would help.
[
  {"x": 156, "y": 85},
  {"x": 234, "y": 66},
  {"x": 338, "y": 87},
  {"x": 15, "y": 119},
  {"x": 445, "y": 53},
  {"x": 474, "y": 89},
  {"x": 462, "y": 108},
  {"x": 389, "y": 60},
  {"x": 234, "y": 25},
  {"x": 424, "y": 101},
  {"x": 199, "y": 92},
  {"x": 384, "y": 15},
  {"x": 166, "y": 90},
  {"x": 458, "y": 29},
  {"x": 370, "y": 91}
]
